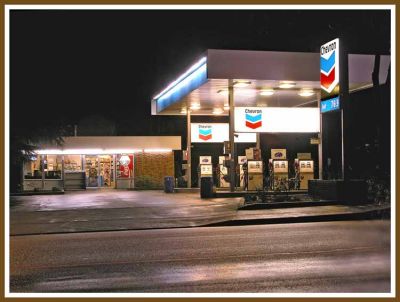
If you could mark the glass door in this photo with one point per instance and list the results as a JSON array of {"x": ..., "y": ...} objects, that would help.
[
  {"x": 106, "y": 169},
  {"x": 92, "y": 169}
]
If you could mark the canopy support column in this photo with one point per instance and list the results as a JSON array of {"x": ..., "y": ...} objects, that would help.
[
  {"x": 189, "y": 151},
  {"x": 232, "y": 137}
]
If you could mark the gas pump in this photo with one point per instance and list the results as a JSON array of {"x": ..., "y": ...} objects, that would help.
[
  {"x": 280, "y": 167},
  {"x": 205, "y": 167},
  {"x": 255, "y": 175},
  {"x": 305, "y": 169},
  {"x": 241, "y": 161},
  {"x": 223, "y": 172}
]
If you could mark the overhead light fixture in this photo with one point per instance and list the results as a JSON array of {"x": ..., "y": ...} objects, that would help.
[
  {"x": 195, "y": 106},
  {"x": 267, "y": 92},
  {"x": 217, "y": 111},
  {"x": 183, "y": 111},
  {"x": 306, "y": 92},
  {"x": 223, "y": 91},
  {"x": 226, "y": 106},
  {"x": 286, "y": 84},
  {"x": 241, "y": 84}
]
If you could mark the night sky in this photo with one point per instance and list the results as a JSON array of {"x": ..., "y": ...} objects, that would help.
[{"x": 69, "y": 65}]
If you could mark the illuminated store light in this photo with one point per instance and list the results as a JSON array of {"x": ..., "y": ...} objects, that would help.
[{"x": 95, "y": 151}]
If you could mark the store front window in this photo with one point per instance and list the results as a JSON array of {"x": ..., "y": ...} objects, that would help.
[
  {"x": 52, "y": 166},
  {"x": 72, "y": 163},
  {"x": 33, "y": 168}
]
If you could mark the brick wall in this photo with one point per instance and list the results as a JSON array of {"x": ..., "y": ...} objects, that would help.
[{"x": 151, "y": 168}]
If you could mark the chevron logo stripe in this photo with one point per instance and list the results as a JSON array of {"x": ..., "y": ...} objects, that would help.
[
  {"x": 205, "y": 131},
  {"x": 205, "y": 137},
  {"x": 253, "y": 118},
  {"x": 327, "y": 80},
  {"x": 253, "y": 125},
  {"x": 327, "y": 64}
]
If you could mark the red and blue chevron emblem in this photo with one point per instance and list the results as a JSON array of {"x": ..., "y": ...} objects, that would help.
[
  {"x": 205, "y": 134},
  {"x": 253, "y": 121},
  {"x": 328, "y": 70}
]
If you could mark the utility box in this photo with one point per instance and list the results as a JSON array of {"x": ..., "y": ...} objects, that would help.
[{"x": 206, "y": 187}]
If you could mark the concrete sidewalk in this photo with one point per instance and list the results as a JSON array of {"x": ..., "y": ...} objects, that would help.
[
  {"x": 108, "y": 210},
  {"x": 308, "y": 214}
]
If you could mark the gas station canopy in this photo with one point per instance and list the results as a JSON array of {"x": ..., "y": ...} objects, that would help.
[{"x": 259, "y": 78}]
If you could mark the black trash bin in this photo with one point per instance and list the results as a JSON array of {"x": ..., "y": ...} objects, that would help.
[
  {"x": 169, "y": 184},
  {"x": 206, "y": 187}
]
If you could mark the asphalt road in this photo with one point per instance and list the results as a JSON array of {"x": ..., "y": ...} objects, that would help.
[{"x": 352, "y": 256}]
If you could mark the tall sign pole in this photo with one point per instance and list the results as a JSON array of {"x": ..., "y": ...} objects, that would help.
[
  {"x": 334, "y": 89},
  {"x": 344, "y": 96}
]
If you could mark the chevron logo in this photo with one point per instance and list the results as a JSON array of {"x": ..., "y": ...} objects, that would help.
[
  {"x": 253, "y": 121},
  {"x": 205, "y": 133},
  {"x": 329, "y": 74}
]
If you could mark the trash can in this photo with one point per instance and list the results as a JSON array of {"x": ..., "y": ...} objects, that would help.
[
  {"x": 206, "y": 187},
  {"x": 169, "y": 184}
]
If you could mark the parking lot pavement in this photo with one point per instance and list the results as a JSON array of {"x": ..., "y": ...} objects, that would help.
[{"x": 105, "y": 210}]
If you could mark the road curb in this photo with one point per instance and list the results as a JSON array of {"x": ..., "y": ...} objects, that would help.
[{"x": 383, "y": 213}]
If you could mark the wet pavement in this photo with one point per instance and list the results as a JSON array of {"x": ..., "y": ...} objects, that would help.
[
  {"x": 112, "y": 210},
  {"x": 105, "y": 210}
]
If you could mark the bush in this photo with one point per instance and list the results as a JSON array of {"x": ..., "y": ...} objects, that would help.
[{"x": 145, "y": 182}]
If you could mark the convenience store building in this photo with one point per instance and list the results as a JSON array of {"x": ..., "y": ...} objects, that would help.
[{"x": 120, "y": 162}]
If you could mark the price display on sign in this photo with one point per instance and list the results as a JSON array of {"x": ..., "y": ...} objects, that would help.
[{"x": 330, "y": 105}]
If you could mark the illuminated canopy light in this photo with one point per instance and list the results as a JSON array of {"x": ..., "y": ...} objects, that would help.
[
  {"x": 306, "y": 92},
  {"x": 183, "y": 76},
  {"x": 218, "y": 111},
  {"x": 195, "y": 106},
  {"x": 241, "y": 84},
  {"x": 267, "y": 92},
  {"x": 287, "y": 84},
  {"x": 183, "y": 110}
]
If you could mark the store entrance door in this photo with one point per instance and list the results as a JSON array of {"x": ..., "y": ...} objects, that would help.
[
  {"x": 106, "y": 171},
  {"x": 92, "y": 171},
  {"x": 99, "y": 171}
]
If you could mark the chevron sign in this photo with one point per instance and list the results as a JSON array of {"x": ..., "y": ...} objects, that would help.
[
  {"x": 253, "y": 118},
  {"x": 205, "y": 132},
  {"x": 329, "y": 65}
]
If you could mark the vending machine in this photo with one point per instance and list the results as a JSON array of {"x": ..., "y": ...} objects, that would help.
[
  {"x": 255, "y": 175},
  {"x": 280, "y": 167},
  {"x": 223, "y": 172},
  {"x": 305, "y": 166},
  {"x": 241, "y": 161}
]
